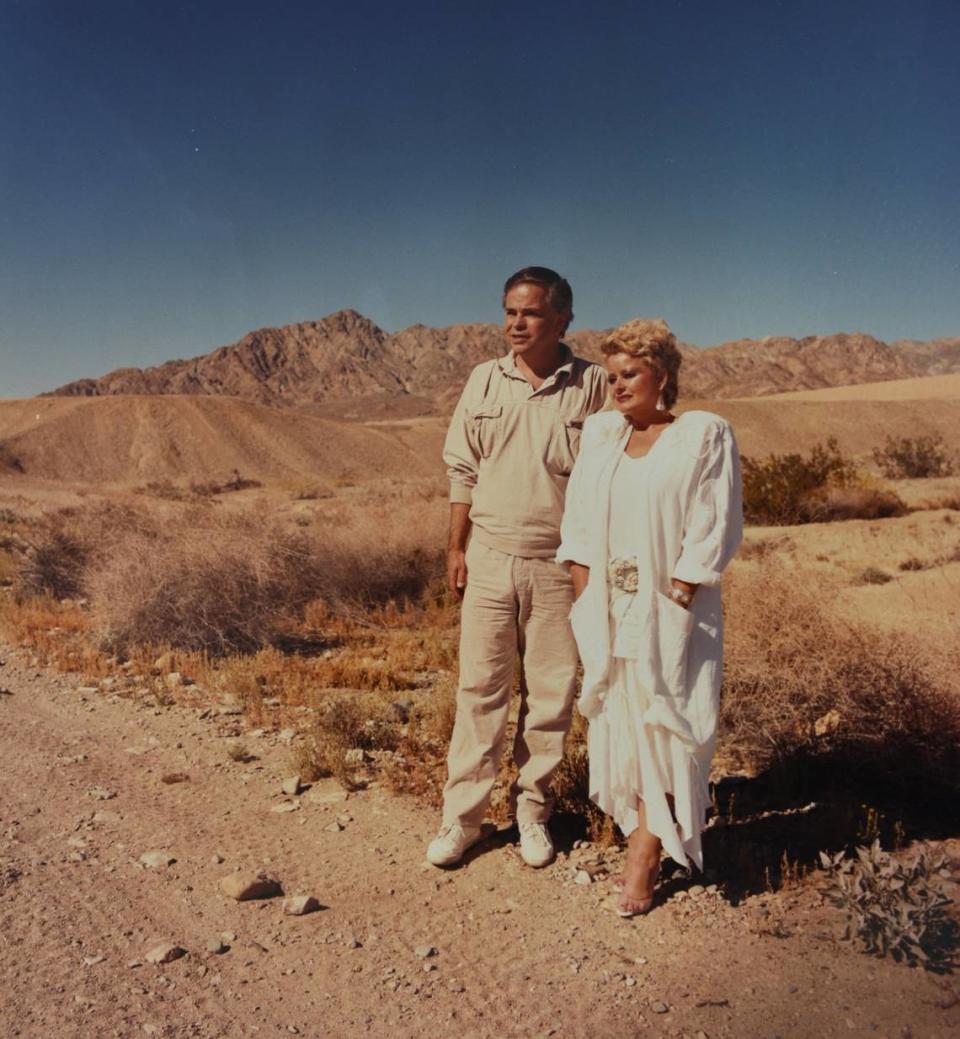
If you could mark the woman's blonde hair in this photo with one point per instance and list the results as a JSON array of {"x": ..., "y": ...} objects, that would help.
[{"x": 650, "y": 340}]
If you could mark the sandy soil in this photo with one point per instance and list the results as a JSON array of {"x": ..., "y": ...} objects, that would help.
[
  {"x": 518, "y": 952},
  {"x": 924, "y": 387}
]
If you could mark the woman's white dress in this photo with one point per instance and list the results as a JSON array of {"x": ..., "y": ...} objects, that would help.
[{"x": 653, "y": 669}]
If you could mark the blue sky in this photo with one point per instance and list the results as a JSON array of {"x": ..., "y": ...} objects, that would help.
[{"x": 173, "y": 175}]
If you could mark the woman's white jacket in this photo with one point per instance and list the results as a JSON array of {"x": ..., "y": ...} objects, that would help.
[{"x": 688, "y": 511}]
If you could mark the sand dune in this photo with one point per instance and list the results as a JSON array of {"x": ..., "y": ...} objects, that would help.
[{"x": 922, "y": 388}]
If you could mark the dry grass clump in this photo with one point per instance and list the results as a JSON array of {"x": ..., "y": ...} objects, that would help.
[
  {"x": 419, "y": 765},
  {"x": 343, "y": 729},
  {"x": 800, "y": 684}
]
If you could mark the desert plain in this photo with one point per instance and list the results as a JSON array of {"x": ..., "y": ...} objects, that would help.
[{"x": 155, "y": 739}]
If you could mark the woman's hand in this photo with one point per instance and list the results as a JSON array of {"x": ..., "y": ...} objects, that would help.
[
  {"x": 579, "y": 575},
  {"x": 685, "y": 593}
]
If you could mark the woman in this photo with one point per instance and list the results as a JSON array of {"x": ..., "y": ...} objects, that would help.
[{"x": 653, "y": 515}]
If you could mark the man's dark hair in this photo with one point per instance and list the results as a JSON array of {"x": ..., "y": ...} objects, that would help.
[{"x": 559, "y": 293}]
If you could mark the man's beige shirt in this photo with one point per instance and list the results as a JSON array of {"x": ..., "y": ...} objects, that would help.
[{"x": 510, "y": 450}]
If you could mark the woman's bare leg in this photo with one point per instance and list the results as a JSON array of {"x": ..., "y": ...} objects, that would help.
[{"x": 642, "y": 868}]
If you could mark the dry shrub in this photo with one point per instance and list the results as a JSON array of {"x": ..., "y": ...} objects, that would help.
[
  {"x": 922, "y": 457},
  {"x": 55, "y": 565},
  {"x": 852, "y": 502},
  {"x": 9, "y": 460},
  {"x": 344, "y": 724},
  {"x": 218, "y": 583},
  {"x": 419, "y": 766},
  {"x": 776, "y": 488},
  {"x": 232, "y": 583},
  {"x": 801, "y": 684}
]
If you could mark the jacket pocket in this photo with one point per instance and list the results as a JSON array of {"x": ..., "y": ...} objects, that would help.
[
  {"x": 486, "y": 427},
  {"x": 674, "y": 626}
]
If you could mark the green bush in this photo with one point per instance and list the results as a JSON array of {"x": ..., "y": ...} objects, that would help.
[
  {"x": 914, "y": 458},
  {"x": 891, "y": 907},
  {"x": 782, "y": 489}
]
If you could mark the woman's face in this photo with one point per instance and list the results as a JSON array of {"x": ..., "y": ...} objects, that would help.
[{"x": 634, "y": 384}]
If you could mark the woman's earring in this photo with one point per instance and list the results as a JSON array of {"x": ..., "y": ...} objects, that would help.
[{"x": 660, "y": 404}]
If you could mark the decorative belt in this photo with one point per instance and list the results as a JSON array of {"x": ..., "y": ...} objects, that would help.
[{"x": 624, "y": 574}]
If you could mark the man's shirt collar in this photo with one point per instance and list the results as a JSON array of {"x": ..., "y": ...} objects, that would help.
[{"x": 508, "y": 365}]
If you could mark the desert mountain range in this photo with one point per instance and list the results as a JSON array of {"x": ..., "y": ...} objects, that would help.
[{"x": 344, "y": 365}]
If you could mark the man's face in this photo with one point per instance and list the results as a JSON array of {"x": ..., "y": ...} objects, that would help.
[{"x": 530, "y": 323}]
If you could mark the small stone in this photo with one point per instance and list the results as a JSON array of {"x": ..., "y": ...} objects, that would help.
[
  {"x": 334, "y": 827},
  {"x": 157, "y": 859},
  {"x": 659, "y": 1008},
  {"x": 287, "y": 735},
  {"x": 216, "y": 946},
  {"x": 100, "y": 793},
  {"x": 300, "y": 905},
  {"x": 291, "y": 786},
  {"x": 326, "y": 792},
  {"x": 399, "y": 711},
  {"x": 245, "y": 887},
  {"x": 583, "y": 878},
  {"x": 165, "y": 953},
  {"x": 428, "y": 967},
  {"x": 424, "y": 952},
  {"x": 216, "y": 859},
  {"x": 286, "y": 806},
  {"x": 228, "y": 936},
  {"x": 88, "y": 690},
  {"x": 355, "y": 756},
  {"x": 697, "y": 890},
  {"x": 132, "y": 964},
  {"x": 630, "y": 981},
  {"x": 92, "y": 961}
]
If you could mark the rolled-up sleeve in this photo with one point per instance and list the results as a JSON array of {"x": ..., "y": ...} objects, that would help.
[
  {"x": 460, "y": 452},
  {"x": 714, "y": 525}
]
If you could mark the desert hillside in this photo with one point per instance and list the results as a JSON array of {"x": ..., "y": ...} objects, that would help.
[
  {"x": 137, "y": 439},
  {"x": 346, "y": 366}
]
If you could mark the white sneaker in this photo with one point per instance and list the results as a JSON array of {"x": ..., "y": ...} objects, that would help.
[
  {"x": 447, "y": 848},
  {"x": 536, "y": 847}
]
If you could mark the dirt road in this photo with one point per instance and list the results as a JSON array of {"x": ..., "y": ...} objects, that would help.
[{"x": 517, "y": 952}]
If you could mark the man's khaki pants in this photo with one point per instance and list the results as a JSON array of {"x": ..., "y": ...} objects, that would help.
[{"x": 510, "y": 605}]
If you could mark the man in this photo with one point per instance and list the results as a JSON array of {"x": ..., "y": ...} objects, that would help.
[{"x": 509, "y": 450}]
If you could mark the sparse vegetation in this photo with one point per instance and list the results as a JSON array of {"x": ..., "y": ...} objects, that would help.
[
  {"x": 893, "y": 908},
  {"x": 919, "y": 457},
  {"x": 782, "y": 489},
  {"x": 221, "y": 583},
  {"x": 211, "y": 488},
  {"x": 9, "y": 460},
  {"x": 874, "y": 575},
  {"x": 801, "y": 685}
]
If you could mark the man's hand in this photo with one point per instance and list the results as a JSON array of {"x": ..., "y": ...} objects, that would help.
[
  {"x": 456, "y": 548},
  {"x": 457, "y": 572}
]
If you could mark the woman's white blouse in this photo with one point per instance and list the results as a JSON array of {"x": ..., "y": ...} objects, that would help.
[{"x": 684, "y": 520}]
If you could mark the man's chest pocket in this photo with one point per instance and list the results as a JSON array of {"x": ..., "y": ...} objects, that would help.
[
  {"x": 487, "y": 424},
  {"x": 564, "y": 445}
]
